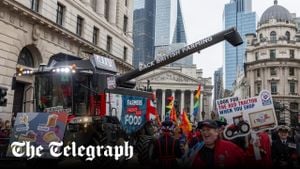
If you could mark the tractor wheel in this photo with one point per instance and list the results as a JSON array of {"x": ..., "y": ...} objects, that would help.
[
  {"x": 144, "y": 149},
  {"x": 106, "y": 162},
  {"x": 100, "y": 139},
  {"x": 244, "y": 128},
  {"x": 229, "y": 132}
]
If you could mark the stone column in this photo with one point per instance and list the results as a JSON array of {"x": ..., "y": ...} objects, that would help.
[
  {"x": 182, "y": 101},
  {"x": 201, "y": 108},
  {"x": 163, "y": 106},
  {"x": 192, "y": 106},
  {"x": 112, "y": 11},
  {"x": 100, "y": 7}
]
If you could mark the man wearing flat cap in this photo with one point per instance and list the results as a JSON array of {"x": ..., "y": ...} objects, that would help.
[
  {"x": 216, "y": 153},
  {"x": 284, "y": 150}
]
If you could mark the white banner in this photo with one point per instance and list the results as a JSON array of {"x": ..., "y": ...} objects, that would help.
[{"x": 255, "y": 113}]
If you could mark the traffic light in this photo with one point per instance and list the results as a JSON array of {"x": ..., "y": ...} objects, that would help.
[{"x": 3, "y": 93}]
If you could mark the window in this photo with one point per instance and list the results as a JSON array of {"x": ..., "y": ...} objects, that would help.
[
  {"x": 258, "y": 88},
  {"x": 294, "y": 106},
  {"x": 109, "y": 43},
  {"x": 25, "y": 58},
  {"x": 59, "y": 14},
  {"x": 273, "y": 87},
  {"x": 125, "y": 24},
  {"x": 95, "y": 35},
  {"x": 272, "y": 54},
  {"x": 257, "y": 73},
  {"x": 35, "y": 5},
  {"x": 260, "y": 37},
  {"x": 256, "y": 56},
  {"x": 273, "y": 37},
  {"x": 288, "y": 35},
  {"x": 273, "y": 71},
  {"x": 292, "y": 54},
  {"x": 106, "y": 9},
  {"x": 292, "y": 87},
  {"x": 292, "y": 71},
  {"x": 126, "y": 2},
  {"x": 79, "y": 25},
  {"x": 125, "y": 53}
]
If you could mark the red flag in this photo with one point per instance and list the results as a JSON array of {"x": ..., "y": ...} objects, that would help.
[{"x": 185, "y": 123}]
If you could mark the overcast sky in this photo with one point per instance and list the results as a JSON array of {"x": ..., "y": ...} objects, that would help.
[{"x": 203, "y": 18}]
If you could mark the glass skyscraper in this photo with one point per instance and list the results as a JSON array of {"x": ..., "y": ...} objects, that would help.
[
  {"x": 143, "y": 31},
  {"x": 237, "y": 13},
  {"x": 158, "y": 29},
  {"x": 169, "y": 30}
]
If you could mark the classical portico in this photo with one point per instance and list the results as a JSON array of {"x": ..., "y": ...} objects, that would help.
[{"x": 166, "y": 83}]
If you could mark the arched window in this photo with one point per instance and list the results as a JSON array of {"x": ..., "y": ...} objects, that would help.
[
  {"x": 273, "y": 37},
  {"x": 25, "y": 58},
  {"x": 288, "y": 35}
]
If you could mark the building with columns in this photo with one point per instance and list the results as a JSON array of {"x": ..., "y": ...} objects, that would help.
[
  {"x": 272, "y": 62},
  {"x": 33, "y": 30},
  {"x": 181, "y": 83}
]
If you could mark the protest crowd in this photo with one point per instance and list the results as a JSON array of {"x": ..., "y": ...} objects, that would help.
[{"x": 204, "y": 146}]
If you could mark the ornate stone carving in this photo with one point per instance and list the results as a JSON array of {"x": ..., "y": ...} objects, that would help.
[
  {"x": 35, "y": 32},
  {"x": 2, "y": 14},
  {"x": 170, "y": 77},
  {"x": 45, "y": 34},
  {"x": 21, "y": 22},
  {"x": 11, "y": 19}
]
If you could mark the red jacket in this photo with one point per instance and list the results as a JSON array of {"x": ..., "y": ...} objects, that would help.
[
  {"x": 226, "y": 154},
  {"x": 265, "y": 152}
]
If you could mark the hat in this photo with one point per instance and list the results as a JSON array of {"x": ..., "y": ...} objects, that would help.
[
  {"x": 283, "y": 128},
  {"x": 208, "y": 123},
  {"x": 221, "y": 121}
]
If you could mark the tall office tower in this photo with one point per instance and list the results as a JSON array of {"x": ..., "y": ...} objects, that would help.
[
  {"x": 169, "y": 30},
  {"x": 237, "y": 13},
  {"x": 143, "y": 31}
]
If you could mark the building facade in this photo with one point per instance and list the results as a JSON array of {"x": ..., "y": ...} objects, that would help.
[
  {"x": 237, "y": 13},
  {"x": 218, "y": 86},
  {"x": 143, "y": 31},
  {"x": 181, "y": 83},
  {"x": 273, "y": 62},
  {"x": 33, "y": 30}
]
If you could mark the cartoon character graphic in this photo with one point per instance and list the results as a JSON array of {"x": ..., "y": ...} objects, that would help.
[{"x": 262, "y": 118}]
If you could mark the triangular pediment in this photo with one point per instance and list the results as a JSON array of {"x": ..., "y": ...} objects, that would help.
[{"x": 168, "y": 76}]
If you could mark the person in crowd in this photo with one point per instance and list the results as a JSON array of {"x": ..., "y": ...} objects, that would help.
[
  {"x": 297, "y": 141},
  {"x": 167, "y": 149},
  {"x": 284, "y": 152},
  {"x": 216, "y": 152},
  {"x": 222, "y": 123},
  {"x": 194, "y": 137},
  {"x": 258, "y": 151}
]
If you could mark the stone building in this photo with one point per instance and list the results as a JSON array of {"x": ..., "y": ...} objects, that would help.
[
  {"x": 33, "y": 30},
  {"x": 273, "y": 61},
  {"x": 181, "y": 83}
]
